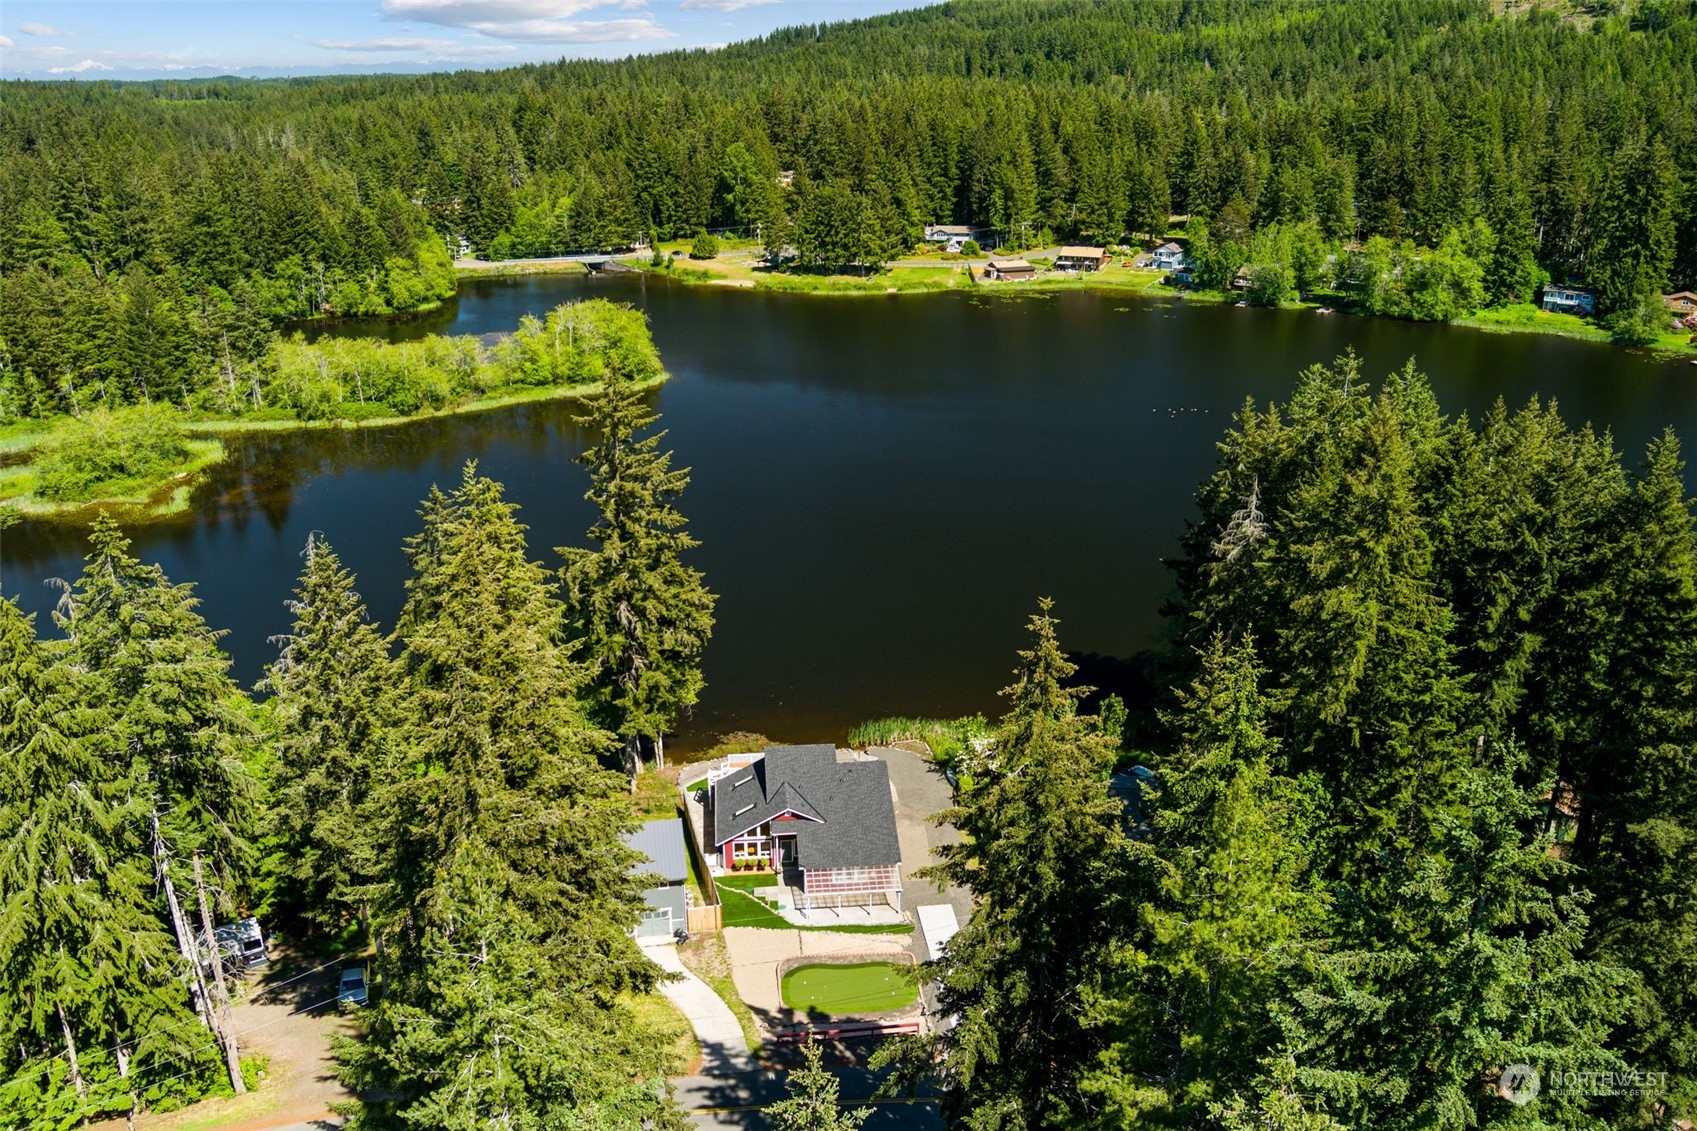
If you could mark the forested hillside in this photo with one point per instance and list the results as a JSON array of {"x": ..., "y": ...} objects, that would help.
[{"x": 153, "y": 228}]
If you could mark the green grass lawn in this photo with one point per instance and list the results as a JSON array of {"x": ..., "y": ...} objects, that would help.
[
  {"x": 743, "y": 910},
  {"x": 865, "y": 987}
]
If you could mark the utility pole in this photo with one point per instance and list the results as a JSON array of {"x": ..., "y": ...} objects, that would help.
[
  {"x": 226, "y": 1023},
  {"x": 180, "y": 925}
]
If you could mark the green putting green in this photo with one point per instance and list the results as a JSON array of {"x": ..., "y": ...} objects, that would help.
[{"x": 864, "y": 987}]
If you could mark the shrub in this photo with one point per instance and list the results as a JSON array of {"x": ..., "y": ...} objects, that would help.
[
  {"x": 704, "y": 247},
  {"x": 970, "y": 249},
  {"x": 106, "y": 446},
  {"x": 355, "y": 410}
]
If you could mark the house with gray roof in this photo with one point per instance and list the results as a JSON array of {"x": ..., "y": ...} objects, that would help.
[
  {"x": 662, "y": 843},
  {"x": 829, "y": 824}
]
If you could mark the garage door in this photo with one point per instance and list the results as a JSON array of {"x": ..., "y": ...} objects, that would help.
[{"x": 655, "y": 924}]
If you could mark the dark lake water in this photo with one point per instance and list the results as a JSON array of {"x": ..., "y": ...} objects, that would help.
[{"x": 883, "y": 487}]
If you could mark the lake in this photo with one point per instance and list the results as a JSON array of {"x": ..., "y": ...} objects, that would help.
[{"x": 883, "y": 486}]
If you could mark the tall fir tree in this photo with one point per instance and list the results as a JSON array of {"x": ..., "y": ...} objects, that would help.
[
  {"x": 510, "y": 891},
  {"x": 812, "y": 1104},
  {"x": 1637, "y": 788},
  {"x": 92, "y": 989},
  {"x": 179, "y": 732},
  {"x": 177, "y": 720},
  {"x": 1043, "y": 854},
  {"x": 642, "y": 616},
  {"x": 1487, "y": 969},
  {"x": 1232, "y": 915},
  {"x": 332, "y": 712}
]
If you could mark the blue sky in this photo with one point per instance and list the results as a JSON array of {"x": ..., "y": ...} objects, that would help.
[{"x": 136, "y": 39}]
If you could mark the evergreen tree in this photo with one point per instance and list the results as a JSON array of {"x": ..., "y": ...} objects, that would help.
[
  {"x": 1042, "y": 853},
  {"x": 1511, "y": 273},
  {"x": 1230, "y": 916},
  {"x": 642, "y": 615},
  {"x": 91, "y": 984},
  {"x": 1637, "y": 788},
  {"x": 177, "y": 722},
  {"x": 1635, "y": 227},
  {"x": 177, "y": 730},
  {"x": 489, "y": 1023},
  {"x": 1277, "y": 1103},
  {"x": 332, "y": 710},
  {"x": 509, "y": 897},
  {"x": 812, "y": 1103},
  {"x": 1486, "y": 970}
]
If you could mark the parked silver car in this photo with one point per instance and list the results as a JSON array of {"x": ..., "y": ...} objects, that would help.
[{"x": 350, "y": 990}]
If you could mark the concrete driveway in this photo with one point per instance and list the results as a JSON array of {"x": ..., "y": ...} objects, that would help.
[{"x": 921, "y": 792}]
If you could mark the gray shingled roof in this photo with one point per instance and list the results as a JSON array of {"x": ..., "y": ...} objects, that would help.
[
  {"x": 855, "y": 821},
  {"x": 663, "y": 843}
]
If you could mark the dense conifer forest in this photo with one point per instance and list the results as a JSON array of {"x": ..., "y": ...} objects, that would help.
[
  {"x": 156, "y": 230},
  {"x": 452, "y": 788}
]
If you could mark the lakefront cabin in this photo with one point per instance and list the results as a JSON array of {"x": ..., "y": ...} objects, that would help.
[
  {"x": 1682, "y": 306},
  {"x": 827, "y": 826},
  {"x": 1167, "y": 257},
  {"x": 1569, "y": 300},
  {"x": 1080, "y": 259}
]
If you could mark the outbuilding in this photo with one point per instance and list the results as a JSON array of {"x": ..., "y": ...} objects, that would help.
[
  {"x": 662, "y": 844},
  {"x": 1008, "y": 269}
]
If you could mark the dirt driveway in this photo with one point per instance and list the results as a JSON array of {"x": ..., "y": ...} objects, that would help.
[{"x": 287, "y": 1014}]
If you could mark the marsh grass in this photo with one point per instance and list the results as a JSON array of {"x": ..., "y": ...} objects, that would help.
[{"x": 947, "y": 738}]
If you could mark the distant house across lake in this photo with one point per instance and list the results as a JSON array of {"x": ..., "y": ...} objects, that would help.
[
  {"x": 1167, "y": 257},
  {"x": 1007, "y": 269},
  {"x": 1075, "y": 258},
  {"x": 1569, "y": 300},
  {"x": 953, "y": 237},
  {"x": 1683, "y": 306}
]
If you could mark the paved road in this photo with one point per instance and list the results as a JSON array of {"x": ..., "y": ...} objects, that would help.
[
  {"x": 719, "y": 1102},
  {"x": 1038, "y": 253}
]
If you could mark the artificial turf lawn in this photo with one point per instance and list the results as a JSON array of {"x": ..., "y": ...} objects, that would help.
[{"x": 864, "y": 987}]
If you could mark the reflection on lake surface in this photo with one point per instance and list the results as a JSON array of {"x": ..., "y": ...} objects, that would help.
[{"x": 882, "y": 486}]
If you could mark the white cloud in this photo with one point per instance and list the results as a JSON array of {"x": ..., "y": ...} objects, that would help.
[
  {"x": 722, "y": 5},
  {"x": 5, "y": 42},
  {"x": 532, "y": 21},
  {"x": 78, "y": 68},
  {"x": 430, "y": 48},
  {"x": 40, "y": 29},
  {"x": 392, "y": 43}
]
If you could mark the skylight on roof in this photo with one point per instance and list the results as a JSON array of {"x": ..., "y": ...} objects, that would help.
[
  {"x": 743, "y": 810},
  {"x": 744, "y": 781}
]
